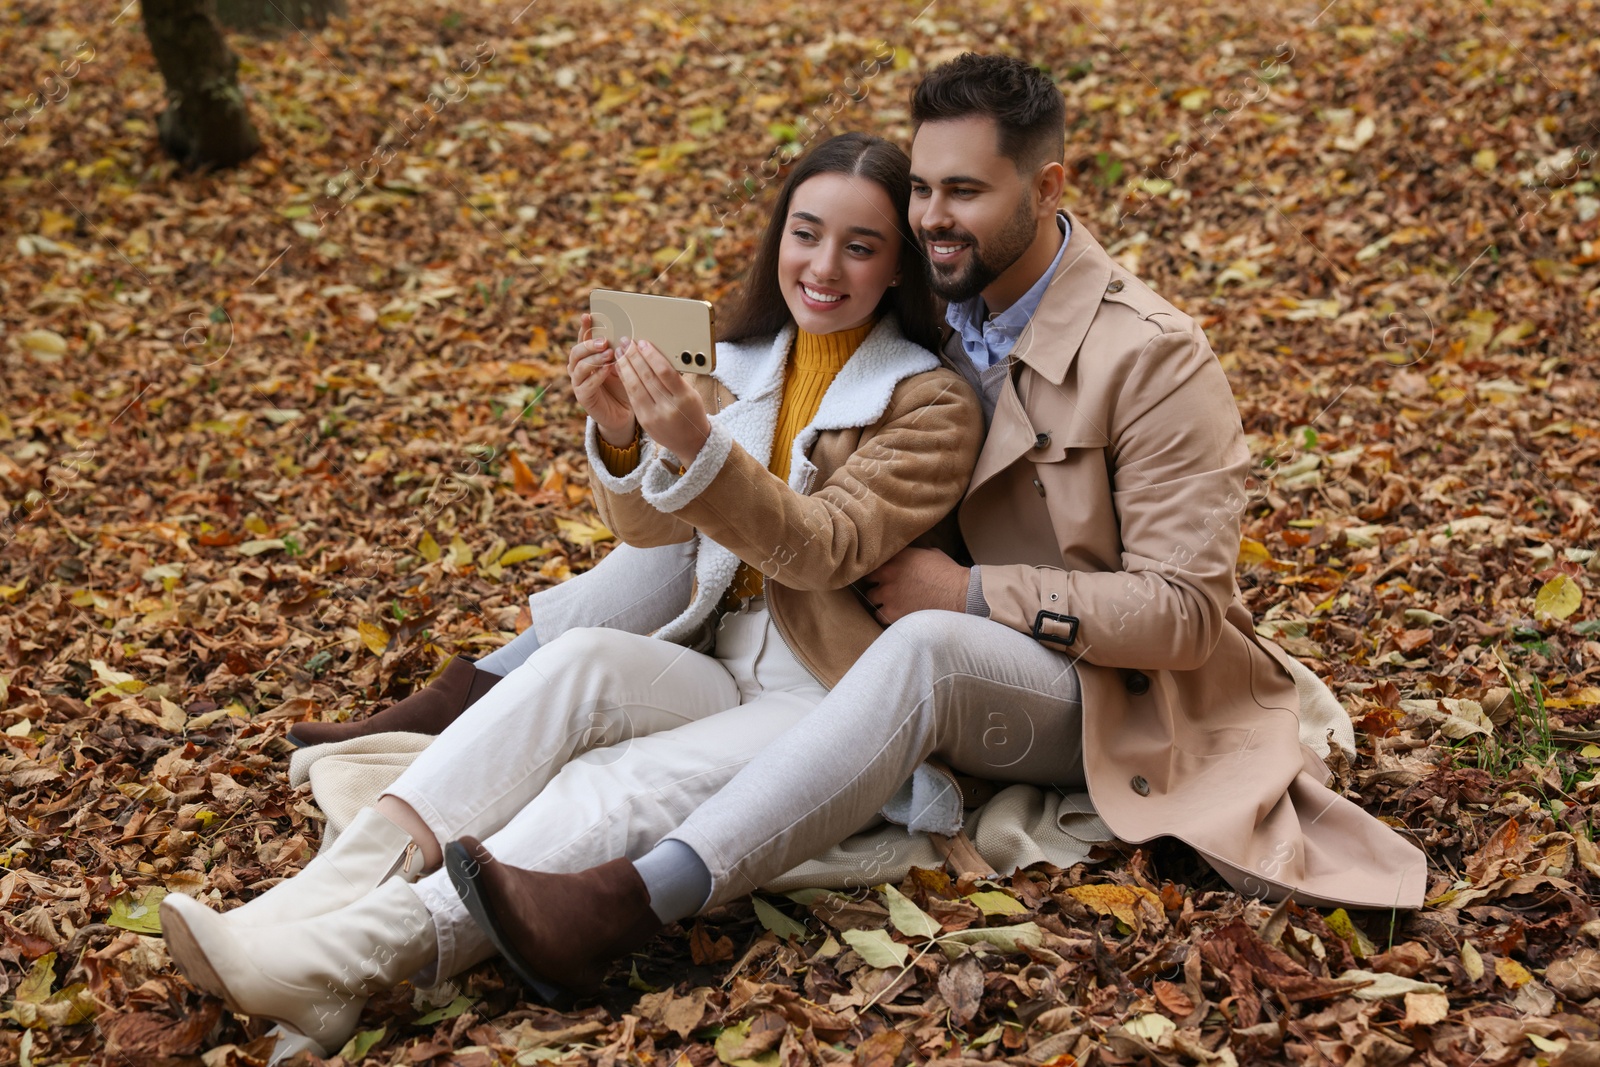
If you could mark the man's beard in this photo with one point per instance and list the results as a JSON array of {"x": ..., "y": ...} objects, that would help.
[{"x": 983, "y": 265}]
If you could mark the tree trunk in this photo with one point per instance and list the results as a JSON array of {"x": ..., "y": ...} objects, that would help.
[
  {"x": 278, "y": 16},
  {"x": 205, "y": 124}
]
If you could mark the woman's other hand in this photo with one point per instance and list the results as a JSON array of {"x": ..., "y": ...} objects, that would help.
[
  {"x": 666, "y": 406},
  {"x": 592, "y": 365}
]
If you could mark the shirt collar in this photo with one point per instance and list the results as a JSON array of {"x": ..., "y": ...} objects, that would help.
[{"x": 989, "y": 340}]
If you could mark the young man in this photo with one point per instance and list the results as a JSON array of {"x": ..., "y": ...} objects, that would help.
[{"x": 1100, "y": 640}]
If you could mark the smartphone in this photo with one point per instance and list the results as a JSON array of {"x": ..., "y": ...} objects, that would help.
[{"x": 683, "y": 329}]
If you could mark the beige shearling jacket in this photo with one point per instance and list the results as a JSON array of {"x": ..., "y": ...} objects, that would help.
[{"x": 886, "y": 458}]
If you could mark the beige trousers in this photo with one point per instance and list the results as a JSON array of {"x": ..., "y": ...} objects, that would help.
[{"x": 597, "y": 747}]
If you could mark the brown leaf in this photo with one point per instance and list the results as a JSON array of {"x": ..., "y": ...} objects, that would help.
[
  {"x": 522, "y": 479},
  {"x": 1578, "y": 1054},
  {"x": 143, "y": 1035},
  {"x": 1425, "y": 1009},
  {"x": 27, "y": 945},
  {"x": 1577, "y": 977},
  {"x": 1507, "y": 845},
  {"x": 882, "y": 1049},
  {"x": 1407, "y": 960},
  {"x": 961, "y": 985},
  {"x": 1375, "y": 1050},
  {"x": 1173, "y": 999},
  {"x": 1410, "y": 641},
  {"x": 703, "y": 950}
]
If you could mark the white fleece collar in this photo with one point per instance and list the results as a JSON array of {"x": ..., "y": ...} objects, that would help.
[{"x": 754, "y": 372}]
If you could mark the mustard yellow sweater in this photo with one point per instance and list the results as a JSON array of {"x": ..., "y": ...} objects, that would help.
[{"x": 813, "y": 364}]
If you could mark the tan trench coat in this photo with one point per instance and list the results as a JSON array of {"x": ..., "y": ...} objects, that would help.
[{"x": 1105, "y": 511}]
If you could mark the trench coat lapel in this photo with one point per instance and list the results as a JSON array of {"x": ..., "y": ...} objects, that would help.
[
  {"x": 1050, "y": 341},
  {"x": 1048, "y": 345},
  {"x": 1011, "y": 435}
]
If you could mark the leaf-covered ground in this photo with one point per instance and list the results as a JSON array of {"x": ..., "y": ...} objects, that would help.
[{"x": 277, "y": 442}]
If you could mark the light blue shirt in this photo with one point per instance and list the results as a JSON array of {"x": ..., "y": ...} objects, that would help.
[{"x": 988, "y": 341}]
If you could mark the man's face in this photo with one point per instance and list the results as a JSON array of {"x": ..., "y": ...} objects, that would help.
[{"x": 973, "y": 214}]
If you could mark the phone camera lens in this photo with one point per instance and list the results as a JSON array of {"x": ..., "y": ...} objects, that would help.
[
  {"x": 699, "y": 359},
  {"x": 686, "y": 358}
]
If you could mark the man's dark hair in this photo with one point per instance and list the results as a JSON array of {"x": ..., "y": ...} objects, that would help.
[{"x": 1024, "y": 103}]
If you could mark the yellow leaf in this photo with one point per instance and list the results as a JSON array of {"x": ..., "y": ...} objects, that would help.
[
  {"x": 374, "y": 636},
  {"x": 1240, "y": 270},
  {"x": 46, "y": 343},
  {"x": 1253, "y": 553},
  {"x": 1120, "y": 901},
  {"x": 265, "y": 544},
  {"x": 1471, "y": 960},
  {"x": 1558, "y": 598},
  {"x": 236, "y": 710},
  {"x": 490, "y": 555},
  {"x": 117, "y": 680},
  {"x": 173, "y": 718},
  {"x": 1339, "y": 922},
  {"x": 522, "y": 552},
  {"x": 9, "y": 593},
  {"x": 55, "y": 223},
  {"x": 614, "y": 96},
  {"x": 1194, "y": 99},
  {"x": 428, "y": 548},
  {"x": 460, "y": 554},
  {"x": 583, "y": 534},
  {"x": 1512, "y": 973},
  {"x": 1586, "y": 697},
  {"x": 1589, "y": 751},
  {"x": 994, "y": 902},
  {"x": 1485, "y": 159}
]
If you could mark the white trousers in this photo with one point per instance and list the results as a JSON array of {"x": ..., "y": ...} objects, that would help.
[
  {"x": 988, "y": 701},
  {"x": 550, "y": 770}
]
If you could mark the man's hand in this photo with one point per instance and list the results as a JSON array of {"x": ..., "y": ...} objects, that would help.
[{"x": 916, "y": 579}]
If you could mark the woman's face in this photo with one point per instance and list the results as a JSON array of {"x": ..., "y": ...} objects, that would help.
[{"x": 840, "y": 251}]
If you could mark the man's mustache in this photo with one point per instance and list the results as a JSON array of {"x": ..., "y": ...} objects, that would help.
[{"x": 928, "y": 237}]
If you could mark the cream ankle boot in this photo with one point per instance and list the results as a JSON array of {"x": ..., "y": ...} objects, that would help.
[
  {"x": 370, "y": 852},
  {"x": 313, "y": 976}
]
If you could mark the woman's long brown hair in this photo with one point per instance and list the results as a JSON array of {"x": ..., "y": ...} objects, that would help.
[{"x": 760, "y": 310}]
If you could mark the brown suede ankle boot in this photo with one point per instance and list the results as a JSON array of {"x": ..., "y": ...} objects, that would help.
[
  {"x": 558, "y": 931},
  {"x": 427, "y": 711}
]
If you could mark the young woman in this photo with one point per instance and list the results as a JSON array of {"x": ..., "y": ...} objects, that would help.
[{"x": 828, "y": 439}]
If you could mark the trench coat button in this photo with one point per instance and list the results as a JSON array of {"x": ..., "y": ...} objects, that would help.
[
  {"x": 1140, "y": 786},
  {"x": 1138, "y": 683},
  {"x": 1115, "y": 287},
  {"x": 1037, "y": 484},
  {"x": 1041, "y": 440}
]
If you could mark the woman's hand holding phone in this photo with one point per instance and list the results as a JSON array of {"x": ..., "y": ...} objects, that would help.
[
  {"x": 592, "y": 365},
  {"x": 664, "y": 403}
]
